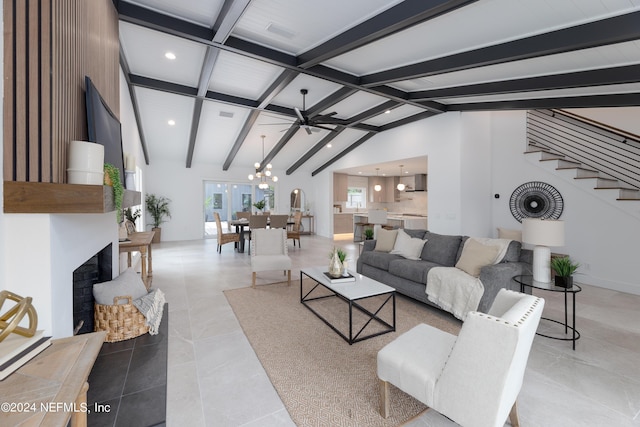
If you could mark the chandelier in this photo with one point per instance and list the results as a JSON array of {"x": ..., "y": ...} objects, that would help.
[{"x": 264, "y": 175}]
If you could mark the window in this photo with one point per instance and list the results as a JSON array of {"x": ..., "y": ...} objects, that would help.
[{"x": 356, "y": 198}]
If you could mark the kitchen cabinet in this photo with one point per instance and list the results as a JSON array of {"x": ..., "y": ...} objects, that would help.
[
  {"x": 388, "y": 193},
  {"x": 342, "y": 223},
  {"x": 340, "y": 187}
]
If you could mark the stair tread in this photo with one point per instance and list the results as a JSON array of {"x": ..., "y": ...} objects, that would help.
[
  {"x": 595, "y": 177},
  {"x": 562, "y": 160},
  {"x": 616, "y": 188},
  {"x": 578, "y": 168}
]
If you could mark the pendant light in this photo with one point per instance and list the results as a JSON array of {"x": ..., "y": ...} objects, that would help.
[
  {"x": 377, "y": 187},
  {"x": 263, "y": 185},
  {"x": 401, "y": 186}
]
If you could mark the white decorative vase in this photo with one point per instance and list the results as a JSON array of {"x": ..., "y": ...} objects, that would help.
[
  {"x": 85, "y": 163},
  {"x": 335, "y": 266}
]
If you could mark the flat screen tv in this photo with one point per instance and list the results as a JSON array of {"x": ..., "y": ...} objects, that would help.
[{"x": 104, "y": 127}]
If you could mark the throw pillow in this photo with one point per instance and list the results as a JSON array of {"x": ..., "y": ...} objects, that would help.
[
  {"x": 127, "y": 283},
  {"x": 475, "y": 255},
  {"x": 505, "y": 233},
  {"x": 407, "y": 246},
  {"x": 386, "y": 240}
]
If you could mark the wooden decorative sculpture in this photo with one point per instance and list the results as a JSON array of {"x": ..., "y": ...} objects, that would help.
[{"x": 10, "y": 319}]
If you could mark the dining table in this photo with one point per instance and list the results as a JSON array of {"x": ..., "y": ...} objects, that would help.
[{"x": 240, "y": 225}]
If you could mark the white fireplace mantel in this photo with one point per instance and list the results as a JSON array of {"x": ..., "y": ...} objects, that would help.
[{"x": 43, "y": 250}]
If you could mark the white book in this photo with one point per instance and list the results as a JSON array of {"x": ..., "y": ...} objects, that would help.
[
  {"x": 14, "y": 344},
  {"x": 16, "y": 350}
]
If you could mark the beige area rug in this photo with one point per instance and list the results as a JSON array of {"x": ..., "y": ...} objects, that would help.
[{"x": 322, "y": 380}]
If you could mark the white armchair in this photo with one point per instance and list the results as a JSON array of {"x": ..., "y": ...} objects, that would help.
[
  {"x": 269, "y": 252},
  {"x": 474, "y": 378}
]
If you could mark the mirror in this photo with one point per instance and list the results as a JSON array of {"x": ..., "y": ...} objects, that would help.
[{"x": 297, "y": 200}]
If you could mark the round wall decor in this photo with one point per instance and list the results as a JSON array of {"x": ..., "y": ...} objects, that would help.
[{"x": 536, "y": 200}]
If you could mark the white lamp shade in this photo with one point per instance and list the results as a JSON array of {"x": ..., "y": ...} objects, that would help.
[{"x": 543, "y": 232}]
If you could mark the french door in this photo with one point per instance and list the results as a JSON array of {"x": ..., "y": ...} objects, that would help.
[{"x": 228, "y": 198}]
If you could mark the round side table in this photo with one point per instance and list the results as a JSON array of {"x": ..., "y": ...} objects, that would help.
[{"x": 527, "y": 281}]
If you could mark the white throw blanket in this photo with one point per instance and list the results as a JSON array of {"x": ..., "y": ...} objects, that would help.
[
  {"x": 454, "y": 290},
  {"x": 151, "y": 306}
]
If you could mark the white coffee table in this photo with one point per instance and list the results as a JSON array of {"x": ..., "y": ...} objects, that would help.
[{"x": 351, "y": 292}]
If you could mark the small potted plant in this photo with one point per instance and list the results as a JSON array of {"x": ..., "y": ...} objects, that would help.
[
  {"x": 564, "y": 269},
  {"x": 259, "y": 205},
  {"x": 158, "y": 207},
  {"x": 131, "y": 217},
  {"x": 368, "y": 234}
]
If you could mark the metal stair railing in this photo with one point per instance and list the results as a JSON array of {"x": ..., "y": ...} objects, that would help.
[{"x": 614, "y": 153}]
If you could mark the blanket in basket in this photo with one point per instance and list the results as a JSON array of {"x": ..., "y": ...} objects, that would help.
[{"x": 151, "y": 306}]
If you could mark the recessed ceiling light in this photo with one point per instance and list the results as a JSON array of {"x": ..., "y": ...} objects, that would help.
[
  {"x": 360, "y": 173},
  {"x": 387, "y": 112},
  {"x": 171, "y": 122},
  {"x": 170, "y": 55},
  {"x": 329, "y": 145}
]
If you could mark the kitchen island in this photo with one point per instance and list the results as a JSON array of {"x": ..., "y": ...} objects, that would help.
[{"x": 395, "y": 220}]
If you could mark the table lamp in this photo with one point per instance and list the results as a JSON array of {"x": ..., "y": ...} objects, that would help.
[{"x": 542, "y": 233}]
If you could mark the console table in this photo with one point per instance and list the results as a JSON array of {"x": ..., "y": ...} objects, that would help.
[
  {"x": 51, "y": 388},
  {"x": 140, "y": 242},
  {"x": 311, "y": 220},
  {"x": 527, "y": 281}
]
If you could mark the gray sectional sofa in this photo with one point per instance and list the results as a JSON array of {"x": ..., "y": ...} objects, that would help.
[{"x": 409, "y": 277}]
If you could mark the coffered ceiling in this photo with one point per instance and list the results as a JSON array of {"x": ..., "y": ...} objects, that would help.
[{"x": 367, "y": 65}]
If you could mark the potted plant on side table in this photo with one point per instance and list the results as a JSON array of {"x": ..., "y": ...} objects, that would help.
[
  {"x": 158, "y": 207},
  {"x": 564, "y": 269},
  {"x": 368, "y": 233}
]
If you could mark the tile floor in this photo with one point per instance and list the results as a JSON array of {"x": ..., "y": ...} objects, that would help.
[
  {"x": 215, "y": 379},
  {"x": 130, "y": 375}
]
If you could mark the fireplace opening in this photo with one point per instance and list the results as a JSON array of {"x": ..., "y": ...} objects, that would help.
[{"x": 96, "y": 269}]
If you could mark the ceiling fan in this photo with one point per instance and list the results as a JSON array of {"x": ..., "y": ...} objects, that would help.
[
  {"x": 307, "y": 123},
  {"x": 312, "y": 124}
]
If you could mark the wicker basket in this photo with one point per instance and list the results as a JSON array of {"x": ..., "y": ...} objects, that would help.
[{"x": 120, "y": 321}]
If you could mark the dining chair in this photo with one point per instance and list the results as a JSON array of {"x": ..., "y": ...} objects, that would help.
[
  {"x": 294, "y": 233},
  {"x": 256, "y": 222},
  {"x": 241, "y": 215},
  {"x": 474, "y": 378},
  {"x": 278, "y": 221},
  {"x": 224, "y": 238}
]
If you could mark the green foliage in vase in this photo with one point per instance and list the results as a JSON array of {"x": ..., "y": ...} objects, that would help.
[
  {"x": 259, "y": 205},
  {"x": 132, "y": 215},
  {"x": 158, "y": 207},
  {"x": 342, "y": 255},
  {"x": 564, "y": 267},
  {"x": 118, "y": 190}
]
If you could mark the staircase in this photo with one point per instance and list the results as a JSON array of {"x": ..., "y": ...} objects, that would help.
[{"x": 607, "y": 158}]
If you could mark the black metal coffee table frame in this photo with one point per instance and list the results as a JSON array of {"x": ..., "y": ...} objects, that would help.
[{"x": 391, "y": 296}]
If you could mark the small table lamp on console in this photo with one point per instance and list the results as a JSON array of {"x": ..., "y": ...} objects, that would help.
[{"x": 542, "y": 233}]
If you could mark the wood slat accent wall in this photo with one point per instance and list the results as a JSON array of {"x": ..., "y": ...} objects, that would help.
[{"x": 49, "y": 47}]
